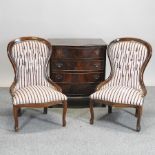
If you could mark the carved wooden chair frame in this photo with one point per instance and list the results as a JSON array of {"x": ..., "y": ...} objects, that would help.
[
  {"x": 138, "y": 112},
  {"x": 17, "y": 108}
]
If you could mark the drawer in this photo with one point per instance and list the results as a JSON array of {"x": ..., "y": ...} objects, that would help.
[
  {"x": 78, "y": 65},
  {"x": 78, "y": 89},
  {"x": 78, "y": 52},
  {"x": 77, "y": 77}
]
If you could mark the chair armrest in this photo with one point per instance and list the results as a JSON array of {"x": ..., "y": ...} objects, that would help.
[
  {"x": 103, "y": 83},
  {"x": 100, "y": 85},
  {"x": 57, "y": 87},
  {"x": 143, "y": 91},
  {"x": 12, "y": 89}
]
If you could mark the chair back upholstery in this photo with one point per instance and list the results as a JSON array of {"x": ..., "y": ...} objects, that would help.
[
  {"x": 29, "y": 57},
  {"x": 128, "y": 58}
]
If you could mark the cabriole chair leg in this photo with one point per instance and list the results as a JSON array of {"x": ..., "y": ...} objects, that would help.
[
  {"x": 91, "y": 112},
  {"x": 139, "y": 114},
  {"x": 109, "y": 109},
  {"x": 19, "y": 112},
  {"x": 136, "y": 112},
  {"x": 15, "y": 113},
  {"x": 64, "y": 114},
  {"x": 45, "y": 110}
]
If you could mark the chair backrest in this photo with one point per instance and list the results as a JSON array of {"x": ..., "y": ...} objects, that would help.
[
  {"x": 29, "y": 57},
  {"x": 128, "y": 58}
]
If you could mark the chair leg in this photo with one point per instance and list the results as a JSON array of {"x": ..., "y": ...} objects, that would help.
[
  {"x": 109, "y": 109},
  {"x": 15, "y": 113},
  {"x": 136, "y": 112},
  {"x": 64, "y": 114},
  {"x": 139, "y": 114},
  {"x": 19, "y": 112},
  {"x": 45, "y": 110},
  {"x": 91, "y": 112}
]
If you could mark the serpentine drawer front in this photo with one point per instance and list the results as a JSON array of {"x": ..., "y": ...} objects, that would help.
[{"x": 78, "y": 66}]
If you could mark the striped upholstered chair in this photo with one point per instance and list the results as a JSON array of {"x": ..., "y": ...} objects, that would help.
[
  {"x": 124, "y": 87},
  {"x": 32, "y": 86}
]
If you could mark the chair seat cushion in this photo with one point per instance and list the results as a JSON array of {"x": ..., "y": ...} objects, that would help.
[
  {"x": 37, "y": 94},
  {"x": 119, "y": 94}
]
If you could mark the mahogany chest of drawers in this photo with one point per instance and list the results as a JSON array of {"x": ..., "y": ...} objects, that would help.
[{"x": 78, "y": 65}]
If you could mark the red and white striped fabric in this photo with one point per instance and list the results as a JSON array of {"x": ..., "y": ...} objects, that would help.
[
  {"x": 31, "y": 58},
  {"x": 127, "y": 58}
]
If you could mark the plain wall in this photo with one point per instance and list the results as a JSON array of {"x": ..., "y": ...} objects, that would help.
[{"x": 108, "y": 20}]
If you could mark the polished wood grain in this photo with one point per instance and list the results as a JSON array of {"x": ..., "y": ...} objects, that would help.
[
  {"x": 68, "y": 77},
  {"x": 77, "y": 53},
  {"x": 78, "y": 66}
]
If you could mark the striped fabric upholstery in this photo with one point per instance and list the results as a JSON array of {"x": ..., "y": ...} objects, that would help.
[
  {"x": 37, "y": 94},
  {"x": 119, "y": 94},
  {"x": 127, "y": 58},
  {"x": 31, "y": 58}
]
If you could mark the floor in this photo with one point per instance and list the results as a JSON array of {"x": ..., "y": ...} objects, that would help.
[{"x": 112, "y": 134}]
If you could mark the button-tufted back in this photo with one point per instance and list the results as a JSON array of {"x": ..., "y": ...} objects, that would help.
[
  {"x": 127, "y": 59},
  {"x": 30, "y": 58}
]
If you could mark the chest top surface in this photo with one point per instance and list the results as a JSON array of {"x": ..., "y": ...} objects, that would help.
[{"x": 76, "y": 42}]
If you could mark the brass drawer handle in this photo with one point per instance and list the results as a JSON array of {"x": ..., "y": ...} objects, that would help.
[
  {"x": 59, "y": 77},
  {"x": 96, "y": 65},
  {"x": 96, "y": 77},
  {"x": 59, "y": 65}
]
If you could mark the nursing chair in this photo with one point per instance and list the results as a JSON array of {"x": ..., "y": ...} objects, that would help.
[
  {"x": 125, "y": 87},
  {"x": 32, "y": 86}
]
